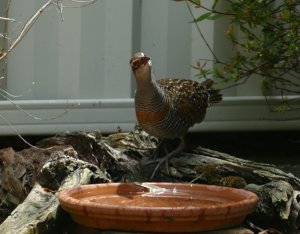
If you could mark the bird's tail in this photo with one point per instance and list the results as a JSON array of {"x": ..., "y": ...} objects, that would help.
[{"x": 214, "y": 94}]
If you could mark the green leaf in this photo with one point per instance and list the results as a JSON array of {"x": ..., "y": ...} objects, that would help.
[
  {"x": 265, "y": 86},
  {"x": 281, "y": 109},
  {"x": 208, "y": 16},
  {"x": 214, "y": 16},
  {"x": 203, "y": 17},
  {"x": 286, "y": 15}
]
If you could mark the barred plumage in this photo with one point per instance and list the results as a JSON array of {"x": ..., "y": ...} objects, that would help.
[{"x": 167, "y": 108}]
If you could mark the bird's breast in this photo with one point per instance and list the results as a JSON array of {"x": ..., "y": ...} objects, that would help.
[{"x": 145, "y": 117}]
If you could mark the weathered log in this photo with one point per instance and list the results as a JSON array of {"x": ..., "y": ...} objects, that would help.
[
  {"x": 40, "y": 211},
  {"x": 121, "y": 157},
  {"x": 213, "y": 167},
  {"x": 278, "y": 205}
]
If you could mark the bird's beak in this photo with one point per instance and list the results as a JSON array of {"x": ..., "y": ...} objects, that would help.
[{"x": 135, "y": 63}]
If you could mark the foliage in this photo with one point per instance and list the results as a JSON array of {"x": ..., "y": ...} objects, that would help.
[{"x": 266, "y": 37}]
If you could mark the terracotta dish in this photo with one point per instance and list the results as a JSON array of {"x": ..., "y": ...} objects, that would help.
[{"x": 157, "y": 207}]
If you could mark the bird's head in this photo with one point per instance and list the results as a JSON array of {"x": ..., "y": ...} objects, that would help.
[{"x": 141, "y": 65}]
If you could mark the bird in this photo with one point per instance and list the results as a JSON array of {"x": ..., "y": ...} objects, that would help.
[{"x": 168, "y": 107}]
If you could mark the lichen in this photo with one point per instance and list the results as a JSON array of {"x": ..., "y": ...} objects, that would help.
[
  {"x": 233, "y": 181},
  {"x": 210, "y": 173}
]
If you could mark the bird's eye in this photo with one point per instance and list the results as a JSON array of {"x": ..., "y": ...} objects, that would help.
[{"x": 135, "y": 63}]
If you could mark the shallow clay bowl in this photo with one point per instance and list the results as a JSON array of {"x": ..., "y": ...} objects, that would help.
[{"x": 175, "y": 208}]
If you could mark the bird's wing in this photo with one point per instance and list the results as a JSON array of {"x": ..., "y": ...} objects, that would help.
[{"x": 189, "y": 98}]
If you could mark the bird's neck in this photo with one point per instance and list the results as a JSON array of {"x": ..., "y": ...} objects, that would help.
[{"x": 149, "y": 96}]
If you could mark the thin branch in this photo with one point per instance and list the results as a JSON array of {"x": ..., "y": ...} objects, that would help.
[
  {"x": 217, "y": 12},
  {"x": 33, "y": 116},
  {"x": 7, "y": 19},
  {"x": 26, "y": 28},
  {"x": 82, "y": 3},
  {"x": 3, "y": 55},
  {"x": 33, "y": 19},
  {"x": 60, "y": 9},
  {"x": 5, "y": 36},
  {"x": 237, "y": 83},
  {"x": 19, "y": 135},
  {"x": 7, "y": 94},
  {"x": 201, "y": 34}
]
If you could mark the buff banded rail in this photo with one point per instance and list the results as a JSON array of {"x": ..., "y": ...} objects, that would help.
[{"x": 167, "y": 108}]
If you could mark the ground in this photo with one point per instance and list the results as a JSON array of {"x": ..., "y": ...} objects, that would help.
[{"x": 276, "y": 147}]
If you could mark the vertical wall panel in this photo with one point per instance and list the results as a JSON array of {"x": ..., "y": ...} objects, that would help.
[
  {"x": 199, "y": 50},
  {"x": 86, "y": 55},
  {"x": 68, "y": 56},
  {"x": 118, "y": 49},
  {"x": 166, "y": 36},
  {"x": 45, "y": 55},
  {"x": 20, "y": 66},
  {"x": 92, "y": 49}
]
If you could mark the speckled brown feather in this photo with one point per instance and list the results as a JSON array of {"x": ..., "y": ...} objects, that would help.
[{"x": 189, "y": 98}]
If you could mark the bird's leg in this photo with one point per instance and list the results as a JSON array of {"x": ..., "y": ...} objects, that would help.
[
  {"x": 166, "y": 158},
  {"x": 156, "y": 152}
]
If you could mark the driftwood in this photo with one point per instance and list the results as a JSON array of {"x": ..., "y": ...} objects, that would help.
[
  {"x": 40, "y": 212},
  {"x": 32, "y": 178}
]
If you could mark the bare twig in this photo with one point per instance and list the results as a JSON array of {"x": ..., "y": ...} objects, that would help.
[
  {"x": 18, "y": 134},
  {"x": 4, "y": 35},
  {"x": 82, "y": 3},
  {"x": 86, "y": 2},
  {"x": 7, "y": 19},
  {"x": 68, "y": 109},
  {"x": 33, "y": 19},
  {"x": 25, "y": 29},
  {"x": 4, "y": 53},
  {"x": 201, "y": 34}
]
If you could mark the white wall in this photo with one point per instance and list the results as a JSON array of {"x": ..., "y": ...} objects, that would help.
[
  {"x": 86, "y": 55},
  {"x": 166, "y": 37},
  {"x": 82, "y": 64}
]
